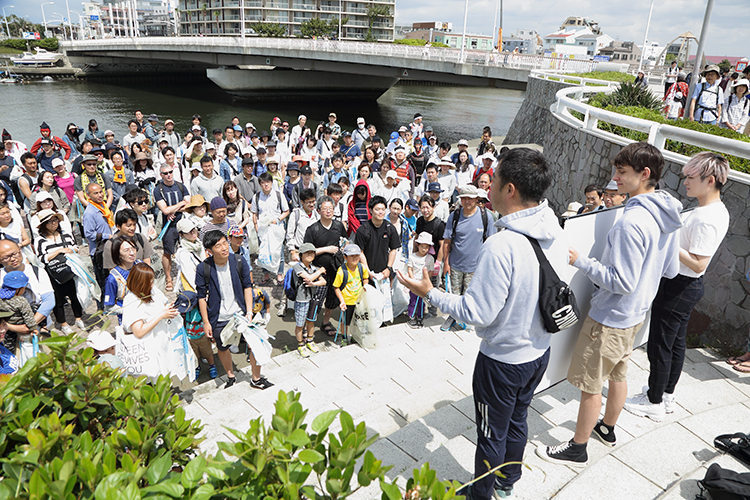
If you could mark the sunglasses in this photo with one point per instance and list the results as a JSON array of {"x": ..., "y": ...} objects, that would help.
[
  {"x": 168, "y": 172},
  {"x": 142, "y": 201}
]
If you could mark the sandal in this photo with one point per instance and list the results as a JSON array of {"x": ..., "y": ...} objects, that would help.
[
  {"x": 169, "y": 286},
  {"x": 328, "y": 329},
  {"x": 735, "y": 360},
  {"x": 743, "y": 367}
]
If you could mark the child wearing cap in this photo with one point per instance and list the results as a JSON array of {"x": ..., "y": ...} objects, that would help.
[
  {"x": 13, "y": 301},
  {"x": 349, "y": 290},
  {"x": 311, "y": 292},
  {"x": 236, "y": 238},
  {"x": 104, "y": 348},
  {"x": 418, "y": 260},
  {"x": 197, "y": 211}
]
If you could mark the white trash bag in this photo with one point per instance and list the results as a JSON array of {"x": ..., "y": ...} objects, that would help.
[
  {"x": 271, "y": 241},
  {"x": 368, "y": 317}
]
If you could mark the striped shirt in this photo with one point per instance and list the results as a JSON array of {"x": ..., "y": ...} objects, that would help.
[{"x": 46, "y": 245}]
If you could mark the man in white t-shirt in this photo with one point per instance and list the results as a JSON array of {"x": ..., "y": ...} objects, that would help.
[
  {"x": 708, "y": 98},
  {"x": 702, "y": 232},
  {"x": 270, "y": 207}
]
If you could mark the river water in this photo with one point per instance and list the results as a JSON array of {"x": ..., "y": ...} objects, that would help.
[{"x": 454, "y": 112}]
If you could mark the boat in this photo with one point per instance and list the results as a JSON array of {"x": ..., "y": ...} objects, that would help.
[
  {"x": 41, "y": 58},
  {"x": 8, "y": 76}
]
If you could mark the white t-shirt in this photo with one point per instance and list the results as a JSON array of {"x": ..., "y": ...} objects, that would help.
[
  {"x": 267, "y": 205},
  {"x": 417, "y": 263},
  {"x": 702, "y": 232},
  {"x": 229, "y": 304},
  {"x": 442, "y": 210}
]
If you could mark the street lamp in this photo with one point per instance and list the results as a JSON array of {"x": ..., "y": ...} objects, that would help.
[
  {"x": 62, "y": 23},
  {"x": 463, "y": 36},
  {"x": 645, "y": 38},
  {"x": 6, "y": 19},
  {"x": 44, "y": 18},
  {"x": 70, "y": 26},
  {"x": 80, "y": 21}
]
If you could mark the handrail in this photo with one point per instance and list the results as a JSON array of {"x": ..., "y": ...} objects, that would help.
[
  {"x": 571, "y": 98},
  {"x": 562, "y": 77},
  {"x": 438, "y": 54}
]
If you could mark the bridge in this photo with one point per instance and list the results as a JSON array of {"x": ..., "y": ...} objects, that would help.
[{"x": 259, "y": 67}]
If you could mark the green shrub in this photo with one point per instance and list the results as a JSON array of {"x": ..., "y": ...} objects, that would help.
[
  {"x": 418, "y": 42},
  {"x": 628, "y": 94},
  {"x": 735, "y": 162},
  {"x": 71, "y": 428},
  {"x": 19, "y": 44},
  {"x": 612, "y": 76}
]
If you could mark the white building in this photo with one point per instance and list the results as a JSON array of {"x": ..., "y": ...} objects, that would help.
[
  {"x": 563, "y": 37},
  {"x": 651, "y": 51},
  {"x": 593, "y": 42}
]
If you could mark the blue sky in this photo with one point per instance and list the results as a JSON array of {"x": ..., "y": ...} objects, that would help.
[{"x": 621, "y": 20}]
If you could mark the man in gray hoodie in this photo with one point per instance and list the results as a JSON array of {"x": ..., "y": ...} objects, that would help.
[
  {"x": 641, "y": 249},
  {"x": 502, "y": 301}
]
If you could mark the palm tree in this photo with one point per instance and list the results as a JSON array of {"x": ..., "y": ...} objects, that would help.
[
  {"x": 204, "y": 9},
  {"x": 375, "y": 12},
  {"x": 217, "y": 14}
]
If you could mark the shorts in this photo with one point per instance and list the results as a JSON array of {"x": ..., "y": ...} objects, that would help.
[
  {"x": 601, "y": 354},
  {"x": 201, "y": 347},
  {"x": 217, "y": 328},
  {"x": 349, "y": 313},
  {"x": 170, "y": 240},
  {"x": 300, "y": 313}
]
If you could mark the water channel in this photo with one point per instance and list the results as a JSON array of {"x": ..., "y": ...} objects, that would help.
[{"x": 454, "y": 112}]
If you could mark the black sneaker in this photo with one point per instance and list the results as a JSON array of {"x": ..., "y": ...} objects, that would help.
[
  {"x": 567, "y": 453},
  {"x": 262, "y": 383},
  {"x": 414, "y": 323},
  {"x": 230, "y": 382},
  {"x": 605, "y": 433}
]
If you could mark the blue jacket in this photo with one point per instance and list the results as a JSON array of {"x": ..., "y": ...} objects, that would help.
[
  {"x": 95, "y": 227},
  {"x": 212, "y": 291}
]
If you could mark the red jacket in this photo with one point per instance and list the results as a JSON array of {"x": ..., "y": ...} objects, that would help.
[
  {"x": 354, "y": 223},
  {"x": 59, "y": 143}
]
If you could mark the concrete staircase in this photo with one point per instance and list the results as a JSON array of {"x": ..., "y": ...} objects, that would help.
[{"x": 414, "y": 391}]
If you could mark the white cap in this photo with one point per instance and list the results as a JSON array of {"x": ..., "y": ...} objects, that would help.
[
  {"x": 196, "y": 127},
  {"x": 463, "y": 142},
  {"x": 195, "y": 166},
  {"x": 391, "y": 175},
  {"x": 250, "y": 125},
  {"x": 300, "y": 117},
  {"x": 741, "y": 81},
  {"x": 572, "y": 209},
  {"x": 185, "y": 225},
  {"x": 402, "y": 128},
  {"x": 43, "y": 195},
  {"x": 612, "y": 186},
  {"x": 108, "y": 132},
  {"x": 360, "y": 120},
  {"x": 482, "y": 194},
  {"x": 487, "y": 156},
  {"x": 100, "y": 341},
  {"x": 57, "y": 161},
  {"x": 424, "y": 237}
]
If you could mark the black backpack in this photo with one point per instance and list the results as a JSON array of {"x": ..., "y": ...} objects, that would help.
[
  {"x": 485, "y": 222},
  {"x": 724, "y": 484},
  {"x": 557, "y": 302},
  {"x": 346, "y": 275}
]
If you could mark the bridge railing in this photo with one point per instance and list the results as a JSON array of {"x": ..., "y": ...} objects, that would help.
[
  {"x": 440, "y": 54},
  {"x": 559, "y": 76},
  {"x": 573, "y": 99}
]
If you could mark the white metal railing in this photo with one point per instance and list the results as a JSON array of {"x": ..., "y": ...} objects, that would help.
[
  {"x": 561, "y": 77},
  {"x": 571, "y": 99},
  {"x": 390, "y": 50}
]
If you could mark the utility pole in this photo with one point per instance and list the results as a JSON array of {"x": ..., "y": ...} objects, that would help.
[
  {"x": 70, "y": 25},
  {"x": 698, "y": 66},
  {"x": 645, "y": 38},
  {"x": 44, "y": 18},
  {"x": 463, "y": 36},
  {"x": 242, "y": 18}
]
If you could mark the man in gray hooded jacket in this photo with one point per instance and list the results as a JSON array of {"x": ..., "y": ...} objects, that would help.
[
  {"x": 502, "y": 301},
  {"x": 642, "y": 248}
]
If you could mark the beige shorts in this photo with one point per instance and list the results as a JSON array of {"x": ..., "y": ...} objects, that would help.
[{"x": 601, "y": 354}]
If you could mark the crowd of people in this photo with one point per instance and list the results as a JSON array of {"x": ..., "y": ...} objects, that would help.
[
  {"x": 719, "y": 98},
  {"x": 183, "y": 202}
]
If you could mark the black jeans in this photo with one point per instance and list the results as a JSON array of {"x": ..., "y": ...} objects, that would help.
[
  {"x": 670, "y": 314},
  {"x": 67, "y": 289},
  {"x": 502, "y": 394}
]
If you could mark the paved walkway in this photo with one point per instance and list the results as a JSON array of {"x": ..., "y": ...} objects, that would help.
[{"x": 415, "y": 391}]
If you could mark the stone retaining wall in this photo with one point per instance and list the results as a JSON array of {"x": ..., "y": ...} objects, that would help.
[
  {"x": 581, "y": 157},
  {"x": 531, "y": 123}
]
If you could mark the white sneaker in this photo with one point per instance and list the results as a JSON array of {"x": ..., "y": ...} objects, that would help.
[
  {"x": 67, "y": 330},
  {"x": 669, "y": 402},
  {"x": 80, "y": 325},
  {"x": 234, "y": 349},
  {"x": 640, "y": 405}
]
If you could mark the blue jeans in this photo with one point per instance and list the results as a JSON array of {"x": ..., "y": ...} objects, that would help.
[{"x": 502, "y": 394}]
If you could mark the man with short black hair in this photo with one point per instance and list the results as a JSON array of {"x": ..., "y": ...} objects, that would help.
[
  {"x": 126, "y": 222},
  {"x": 594, "y": 201},
  {"x": 171, "y": 197},
  {"x": 132, "y": 136},
  {"x": 246, "y": 182},
  {"x": 503, "y": 302},
  {"x": 226, "y": 291},
  {"x": 378, "y": 240}
]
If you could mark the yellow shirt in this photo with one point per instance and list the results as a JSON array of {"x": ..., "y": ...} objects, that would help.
[{"x": 353, "y": 284}]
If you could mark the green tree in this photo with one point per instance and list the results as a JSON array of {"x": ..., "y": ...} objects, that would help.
[
  {"x": 319, "y": 28},
  {"x": 269, "y": 29},
  {"x": 217, "y": 14},
  {"x": 204, "y": 10},
  {"x": 375, "y": 12},
  {"x": 725, "y": 65}
]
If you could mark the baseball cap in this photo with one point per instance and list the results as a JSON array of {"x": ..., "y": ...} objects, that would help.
[
  {"x": 346, "y": 134},
  {"x": 482, "y": 194},
  {"x": 56, "y": 162},
  {"x": 391, "y": 175},
  {"x": 306, "y": 247},
  {"x": 305, "y": 170},
  {"x": 260, "y": 151},
  {"x": 428, "y": 128},
  {"x": 17, "y": 279},
  {"x": 250, "y": 125},
  {"x": 186, "y": 225},
  {"x": 46, "y": 142},
  {"x": 235, "y": 231},
  {"x": 186, "y": 301},
  {"x": 434, "y": 187},
  {"x": 412, "y": 203},
  {"x": 274, "y": 160},
  {"x": 350, "y": 249},
  {"x": 360, "y": 120},
  {"x": 394, "y": 136},
  {"x": 463, "y": 142},
  {"x": 376, "y": 138},
  {"x": 402, "y": 128},
  {"x": 612, "y": 186},
  {"x": 43, "y": 196},
  {"x": 237, "y": 128}
]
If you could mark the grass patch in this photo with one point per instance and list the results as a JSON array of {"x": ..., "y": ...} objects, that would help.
[
  {"x": 8, "y": 50},
  {"x": 612, "y": 76}
]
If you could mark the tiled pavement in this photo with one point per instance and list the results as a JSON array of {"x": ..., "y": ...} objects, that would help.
[{"x": 415, "y": 391}]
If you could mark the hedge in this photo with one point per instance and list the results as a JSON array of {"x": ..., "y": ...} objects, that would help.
[
  {"x": 19, "y": 44},
  {"x": 418, "y": 42}
]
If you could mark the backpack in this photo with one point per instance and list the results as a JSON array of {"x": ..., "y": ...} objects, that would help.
[
  {"x": 484, "y": 223},
  {"x": 122, "y": 285},
  {"x": 706, "y": 108},
  {"x": 724, "y": 484},
  {"x": 557, "y": 303},
  {"x": 278, "y": 198},
  {"x": 346, "y": 275},
  {"x": 290, "y": 284}
]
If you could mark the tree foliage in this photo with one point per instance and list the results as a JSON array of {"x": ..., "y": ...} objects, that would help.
[
  {"x": 19, "y": 24},
  {"x": 18, "y": 44},
  {"x": 375, "y": 12},
  {"x": 417, "y": 42},
  {"x": 725, "y": 65},
  {"x": 71, "y": 429},
  {"x": 269, "y": 29},
  {"x": 319, "y": 28}
]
